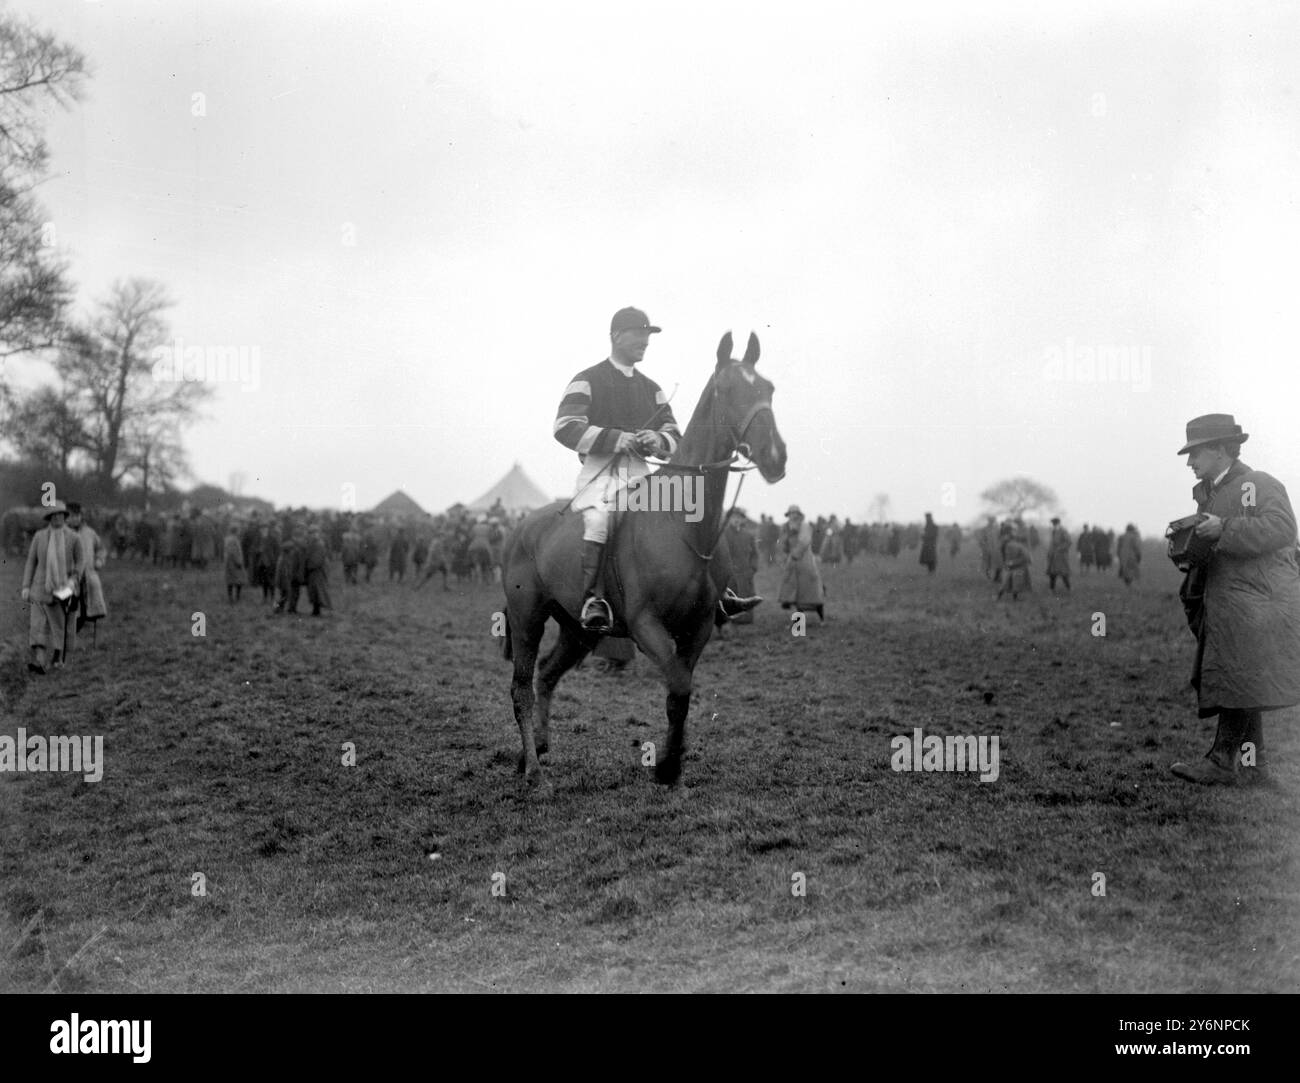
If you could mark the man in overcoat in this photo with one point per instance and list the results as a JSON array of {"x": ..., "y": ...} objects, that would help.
[
  {"x": 1243, "y": 604},
  {"x": 930, "y": 543},
  {"x": 1058, "y": 556}
]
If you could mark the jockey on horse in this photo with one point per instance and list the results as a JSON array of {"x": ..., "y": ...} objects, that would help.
[{"x": 613, "y": 417}]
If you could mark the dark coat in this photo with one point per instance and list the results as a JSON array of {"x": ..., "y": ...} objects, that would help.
[
  {"x": 1058, "y": 552},
  {"x": 1248, "y": 646},
  {"x": 930, "y": 544}
]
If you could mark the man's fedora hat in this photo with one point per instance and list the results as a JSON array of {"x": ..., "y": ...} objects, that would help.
[
  {"x": 57, "y": 508},
  {"x": 1212, "y": 429},
  {"x": 631, "y": 319},
  {"x": 793, "y": 510}
]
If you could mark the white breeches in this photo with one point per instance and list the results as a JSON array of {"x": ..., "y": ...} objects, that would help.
[{"x": 598, "y": 485}]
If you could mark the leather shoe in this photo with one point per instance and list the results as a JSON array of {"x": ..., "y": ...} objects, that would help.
[{"x": 1206, "y": 772}]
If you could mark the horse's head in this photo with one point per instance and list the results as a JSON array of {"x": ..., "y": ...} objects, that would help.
[{"x": 743, "y": 409}]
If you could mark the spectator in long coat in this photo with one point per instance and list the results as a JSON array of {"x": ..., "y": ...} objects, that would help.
[
  {"x": 954, "y": 540},
  {"x": 1128, "y": 550},
  {"x": 1058, "y": 556},
  {"x": 184, "y": 541},
  {"x": 286, "y": 576},
  {"x": 203, "y": 540},
  {"x": 851, "y": 540},
  {"x": 55, "y": 563},
  {"x": 1243, "y": 605},
  {"x": 1015, "y": 561},
  {"x": 90, "y": 594},
  {"x": 351, "y": 547},
  {"x": 268, "y": 556},
  {"x": 398, "y": 554},
  {"x": 248, "y": 539},
  {"x": 317, "y": 572},
  {"x": 831, "y": 550},
  {"x": 369, "y": 550},
  {"x": 743, "y": 550},
  {"x": 801, "y": 586},
  {"x": 1101, "y": 542},
  {"x": 930, "y": 543},
  {"x": 1087, "y": 552},
  {"x": 989, "y": 538},
  {"x": 233, "y": 558},
  {"x": 420, "y": 552}
]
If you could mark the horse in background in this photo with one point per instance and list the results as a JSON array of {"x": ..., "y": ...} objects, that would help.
[{"x": 656, "y": 568}]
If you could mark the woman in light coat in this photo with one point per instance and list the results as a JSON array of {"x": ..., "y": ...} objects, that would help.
[
  {"x": 801, "y": 587},
  {"x": 233, "y": 554}
]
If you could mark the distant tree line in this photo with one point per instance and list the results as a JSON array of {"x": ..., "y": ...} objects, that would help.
[{"x": 104, "y": 425}]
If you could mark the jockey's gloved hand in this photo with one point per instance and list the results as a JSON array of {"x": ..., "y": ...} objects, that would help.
[
  {"x": 626, "y": 442},
  {"x": 650, "y": 442}
]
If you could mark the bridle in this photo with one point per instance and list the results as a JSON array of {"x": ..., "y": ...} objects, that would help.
[
  {"x": 763, "y": 405},
  {"x": 741, "y": 449}
]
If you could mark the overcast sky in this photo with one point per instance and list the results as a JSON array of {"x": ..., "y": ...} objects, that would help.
[{"x": 423, "y": 214}]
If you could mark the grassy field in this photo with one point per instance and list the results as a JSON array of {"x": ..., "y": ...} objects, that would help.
[{"x": 224, "y": 757}]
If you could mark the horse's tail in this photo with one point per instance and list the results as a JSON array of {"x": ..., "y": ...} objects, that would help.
[{"x": 507, "y": 650}]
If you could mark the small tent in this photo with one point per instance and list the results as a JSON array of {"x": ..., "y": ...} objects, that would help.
[
  {"x": 398, "y": 504},
  {"x": 516, "y": 492}
]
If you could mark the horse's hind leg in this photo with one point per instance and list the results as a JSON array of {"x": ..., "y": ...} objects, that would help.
[
  {"x": 568, "y": 651},
  {"x": 524, "y": 641}
]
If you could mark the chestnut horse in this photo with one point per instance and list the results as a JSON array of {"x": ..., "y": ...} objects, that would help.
[{"x": 656, "y": 569}]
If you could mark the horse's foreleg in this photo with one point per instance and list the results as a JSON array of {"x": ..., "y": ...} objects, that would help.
[
  {"x": 654, "y": 639},
  {"x": 568, "y": 651}
]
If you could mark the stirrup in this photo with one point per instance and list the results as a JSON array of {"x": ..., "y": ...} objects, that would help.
[{"x": 596, "y": 615}]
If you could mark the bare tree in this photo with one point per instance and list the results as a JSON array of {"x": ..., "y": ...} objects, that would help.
[
  {"x": 109, "y": 364},
  {"x": 1019, "y": 496},
  {"x": 45, "y": 427},
  {"x": 35, "y": 68},
  {"x": 879, "y": 509},
  {"x": 154, "y": 454}
]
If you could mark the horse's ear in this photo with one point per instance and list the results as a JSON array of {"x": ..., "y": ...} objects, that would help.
[
  {"x": 751, "y": 352},
  {"x": 724, "y": 350}
]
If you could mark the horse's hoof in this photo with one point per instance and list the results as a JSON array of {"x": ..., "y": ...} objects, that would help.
[
  {"x": 668, "y": 771},
  {"x": 543, "y": 747},
  {"x": 539, "y": 786}
]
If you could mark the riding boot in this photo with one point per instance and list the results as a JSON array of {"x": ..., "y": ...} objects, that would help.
[
  {"x": 732, "y": 604},
  {"x": 1220, "y": 764},
  {"x": 596, "y": 615}
]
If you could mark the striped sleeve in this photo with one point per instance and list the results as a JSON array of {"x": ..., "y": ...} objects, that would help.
[
  {"x": 669, "y": 434},
  {"x": 571, "y": 427}
]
